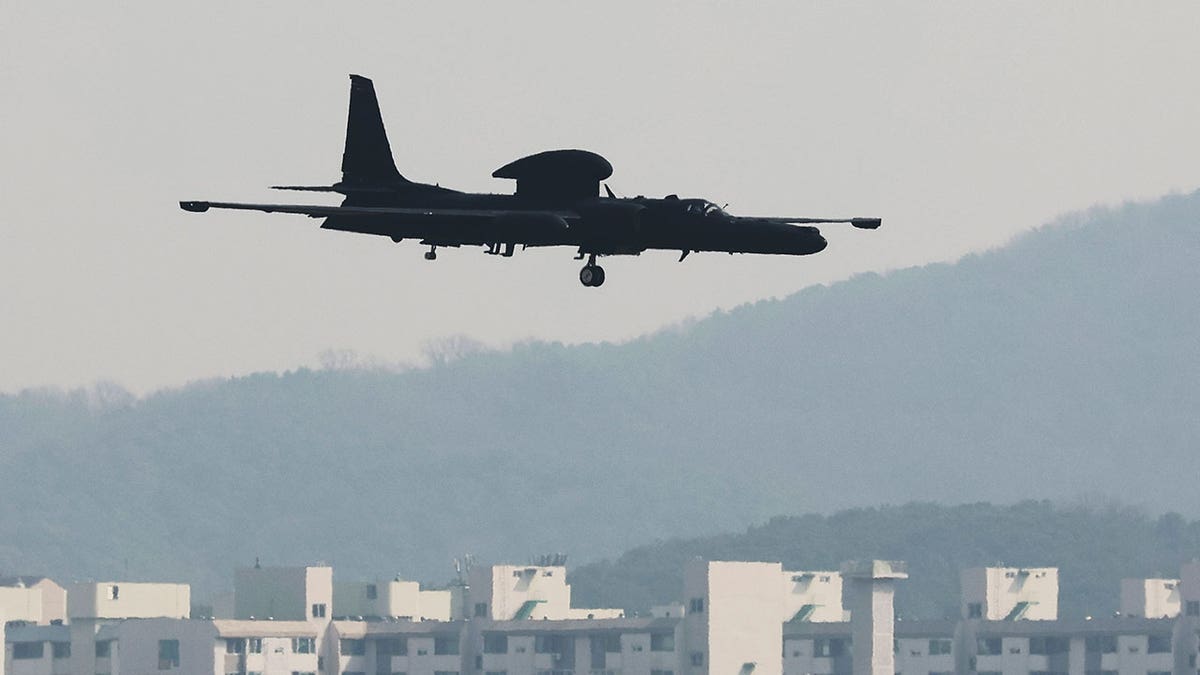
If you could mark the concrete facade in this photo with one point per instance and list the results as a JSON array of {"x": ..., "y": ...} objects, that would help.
[
  {"x": 127, "y": 600},
  {"x": 506, "y": 592},
  {"x": 1010, "y": 593},
  {"x": 812, "y": 596},
  {"x": 41, "y": 599},
  {"x": 394, "y": 599},
  {"x": 733, "y": 613},
  {"x": 1150, "y": 598},
  {"x": 870, "y": 594},
  {"x": 283, "y": 593}
]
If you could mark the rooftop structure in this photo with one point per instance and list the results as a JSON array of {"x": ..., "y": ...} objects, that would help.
[
  {"x": 1150, "y": 598},
  {"x": 283, "y": 593},
  {"x": 1010, "y": 593},
  {"x": 42, "y": 600}
]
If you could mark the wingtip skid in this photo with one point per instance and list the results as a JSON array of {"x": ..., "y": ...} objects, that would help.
[
  {"x": 194, "y": 207},
  {"x": 866, "y": 223}
]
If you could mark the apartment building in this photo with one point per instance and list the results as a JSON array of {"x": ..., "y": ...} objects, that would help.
[
  {"x": 504, "y": 592},
  {"x": 283, "y": 593},
  {"x": 736, "y": 618},
  {"x": 1010, "y": 593},
  {"x": 1150, "y": 598},
  {"x": 812, "y": 596},
  {"x": 394, "y": 599},
  {"x": 33, "y": 599}
]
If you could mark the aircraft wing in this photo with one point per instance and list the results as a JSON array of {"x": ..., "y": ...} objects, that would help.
[
  {"x": 314, "y": 211},
  {"x": 860, "y": 223},
  {"x": 437, "y": 225}
]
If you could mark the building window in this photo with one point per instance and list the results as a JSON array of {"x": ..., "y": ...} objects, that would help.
[
  {"x": 254, "y": 645},
  {"x": 318, "y": 610},
  {"x": 1049, "y": 645},
  {"x": 696, "y": 606},
  {"x": 447, "y": 645},
  {"x": 1101, "y": 644},
  {"x": 62, "y": 650},
  {"x": 114, "y": 592},
  {"x": 392, "y": 647},
  {"x": 495, "y": 643},
  {"x": 372, "y": 591},
  {"x": 662, "y": 642},
  {"x": 103, "y": 649},
  {"x": 481, "y": 609},
  {"x": 1193, "y": 607},
  {"x": 1158, "y": 644},
  {"x": 28, "y": 650},
  {"x": 975, "y": 610},
  {"x": 235, "y": 645},
  {"x": 988, "y": 646},
  {"x": 353, "y": 647},
  {"x": 549, "y": 644},
  {"x": 697, "y": 658},
  {"x": 304, "y": 645},
  {"x": 168, "y": 654},
  {"x": 939, "y": 647},
  {"x": 829, "y": 647}
]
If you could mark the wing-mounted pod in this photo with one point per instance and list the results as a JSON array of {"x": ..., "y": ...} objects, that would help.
[{"x": 558, "y": 174}]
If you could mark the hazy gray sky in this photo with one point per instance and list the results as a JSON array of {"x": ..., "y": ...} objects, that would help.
[{"x": 960, "y": 124}]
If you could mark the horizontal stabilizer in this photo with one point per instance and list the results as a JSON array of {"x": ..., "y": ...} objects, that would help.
[{"x": 306, "y": 188}]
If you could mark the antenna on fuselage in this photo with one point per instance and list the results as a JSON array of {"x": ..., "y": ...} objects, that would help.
[{"x": 609, "y": 191}]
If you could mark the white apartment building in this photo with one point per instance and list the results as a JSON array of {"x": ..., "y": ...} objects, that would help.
[
  {"x": 393, "y": 599},
  {"x": 1010, "y": 593},
  {"x": 283, "y": 593},
  {"x": 36, "y": 650},
  {"x": 731, "y": 622},
  {"x": 733, "y": 615},
  {"x": 517, "y": 592},
  {"x": 1189, "y": 589},
  {"x": 1150, "y": 598},
  {"x": 812, "y": 596},
  {"x": 33, "y": 599}
]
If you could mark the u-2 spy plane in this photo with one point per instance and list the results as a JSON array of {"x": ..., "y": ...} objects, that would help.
[{"x": 557, "y": 203}]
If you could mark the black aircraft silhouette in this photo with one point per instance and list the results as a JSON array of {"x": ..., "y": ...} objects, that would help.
[{"x": 557, "y": 203}]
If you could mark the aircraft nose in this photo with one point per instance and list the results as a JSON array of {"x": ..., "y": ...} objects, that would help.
[{"x": 811, "y": 241}]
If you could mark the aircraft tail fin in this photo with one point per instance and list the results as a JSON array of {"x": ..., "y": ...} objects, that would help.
[{"x": 368, "y": 156}]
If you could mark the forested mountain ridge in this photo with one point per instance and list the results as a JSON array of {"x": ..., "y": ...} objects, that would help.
[
  {"x": 1093, "y": 545},
  {"x": 1062, "y": 364}
]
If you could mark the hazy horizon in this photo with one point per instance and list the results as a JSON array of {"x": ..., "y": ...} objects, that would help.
[{"x": 959, "y": 125}]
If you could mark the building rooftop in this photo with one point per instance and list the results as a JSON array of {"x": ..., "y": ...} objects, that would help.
[{"x": 37, "y": 633}]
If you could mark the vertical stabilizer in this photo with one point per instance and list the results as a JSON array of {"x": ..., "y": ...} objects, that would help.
[{"x": 368, "y": 156}]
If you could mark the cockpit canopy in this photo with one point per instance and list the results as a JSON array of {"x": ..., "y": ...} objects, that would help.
[{"x": 702, "y": 207}]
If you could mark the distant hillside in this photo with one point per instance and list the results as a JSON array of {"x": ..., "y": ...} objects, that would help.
[
  {"x": 1093, "y": 546},
  {"x": 1063, "y": 364}
]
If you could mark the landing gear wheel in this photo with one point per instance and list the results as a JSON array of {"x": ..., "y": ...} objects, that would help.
[{"x": 591, "y": 275}]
